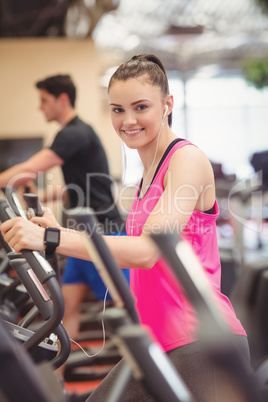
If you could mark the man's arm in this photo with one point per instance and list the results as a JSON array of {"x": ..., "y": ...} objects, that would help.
[{"x": 20, "y": 174}]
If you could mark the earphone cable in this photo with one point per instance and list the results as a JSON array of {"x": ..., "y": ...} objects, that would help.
[{"x": 103, "y": 331}]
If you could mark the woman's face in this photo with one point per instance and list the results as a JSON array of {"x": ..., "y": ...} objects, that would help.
[{"x": 137, "y": 110}]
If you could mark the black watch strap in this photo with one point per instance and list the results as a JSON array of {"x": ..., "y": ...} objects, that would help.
[{"x": 51, "y": 240}]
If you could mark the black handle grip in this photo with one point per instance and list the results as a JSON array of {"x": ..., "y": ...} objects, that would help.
[{"x": 33, "y": 202}]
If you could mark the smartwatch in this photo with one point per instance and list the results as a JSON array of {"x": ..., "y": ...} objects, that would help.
[{"x": 51, "y": 240}]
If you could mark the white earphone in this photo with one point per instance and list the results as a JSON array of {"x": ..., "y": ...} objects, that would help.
[{"x": 166, "y": 110}]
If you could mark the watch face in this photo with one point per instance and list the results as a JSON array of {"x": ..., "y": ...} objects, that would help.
[{"x": 52, "y": 237}]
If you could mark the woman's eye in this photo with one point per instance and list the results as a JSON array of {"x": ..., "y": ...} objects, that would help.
[
  {"x": 142, "y": 107},
  {"x": 117, "y": 110}
]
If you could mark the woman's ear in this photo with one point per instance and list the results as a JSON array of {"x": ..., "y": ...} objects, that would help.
[{"x": 169, "y": 103}]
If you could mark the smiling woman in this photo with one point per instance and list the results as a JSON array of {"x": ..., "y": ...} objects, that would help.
[
  {"x": 176, "y": 193},
  {"x": 133, "y": 119},
  {"x": 143, "y": 110}
]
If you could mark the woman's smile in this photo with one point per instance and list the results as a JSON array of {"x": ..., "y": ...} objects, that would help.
[{"x": 133, "y": 132}]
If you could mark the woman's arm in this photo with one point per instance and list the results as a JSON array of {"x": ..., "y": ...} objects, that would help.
[
  {"x": 129, "y": 252},
  {"x": 189, "y": 185}
]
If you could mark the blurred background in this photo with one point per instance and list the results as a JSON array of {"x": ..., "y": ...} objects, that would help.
[{"x": 216, "y": 57}]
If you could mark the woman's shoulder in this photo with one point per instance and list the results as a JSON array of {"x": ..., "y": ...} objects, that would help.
[
  {"x": 190, "y": 160},
  {"x": 188, "y": 152}
]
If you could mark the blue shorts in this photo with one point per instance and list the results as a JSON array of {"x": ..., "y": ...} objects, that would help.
[{"x": 82, "y": 271}]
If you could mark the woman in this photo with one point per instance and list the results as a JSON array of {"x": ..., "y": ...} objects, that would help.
[{"x": 176, "y": 193}]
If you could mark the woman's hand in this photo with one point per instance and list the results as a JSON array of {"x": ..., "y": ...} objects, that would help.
[
  {"x": 21, "y": 234},
  {"x": 48, "y": 219}
]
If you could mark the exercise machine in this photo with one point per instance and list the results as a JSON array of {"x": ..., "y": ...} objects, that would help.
[
  {"x": 29, "y": 358},
  {"x": 28, "y": 328},
  {"x": 214, "y": 332},
  {"x": 145, "y": 359},
  {"x": 34, "y": 272}
]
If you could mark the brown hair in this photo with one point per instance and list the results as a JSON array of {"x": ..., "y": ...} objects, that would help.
[
  {"x": 144, "y": 65},
  {"x": 58, "y": 84}
]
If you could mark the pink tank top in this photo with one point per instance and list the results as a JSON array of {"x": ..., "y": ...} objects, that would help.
[{"x": 160, "y": 301}]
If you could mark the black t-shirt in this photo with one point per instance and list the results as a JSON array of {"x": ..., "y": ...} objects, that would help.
[{"x": 86, "y": 172}]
